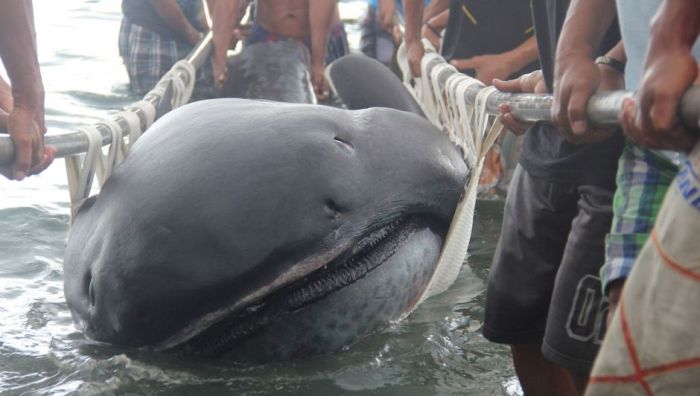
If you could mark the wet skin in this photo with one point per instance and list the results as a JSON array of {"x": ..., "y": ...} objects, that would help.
[{"x": 233, "y": 222}]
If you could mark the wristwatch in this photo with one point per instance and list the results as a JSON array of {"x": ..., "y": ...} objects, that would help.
[{"x": 612, "y": 62}]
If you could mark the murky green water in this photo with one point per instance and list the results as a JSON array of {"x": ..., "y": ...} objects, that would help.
[{"x": 437, "y": 350}]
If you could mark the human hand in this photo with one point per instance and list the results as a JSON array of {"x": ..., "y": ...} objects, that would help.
[
  {"x": 652, "y": 120},
  {"x": 220, "y": 73},
  {"x": 318, "y": 80},
  {"x": 193, "y": 36},
  {"x": 429, "y": 33},
  {"x": 27, "y": 134},
  {"x": 386, "y": 21},
  {"x": 240, "y": 33},
  {"x": 415, "y": 52},
  {"x": 487, "y": 67},
  {"x": 576, "y": 79},
  {"x": 527, "y": 83}
]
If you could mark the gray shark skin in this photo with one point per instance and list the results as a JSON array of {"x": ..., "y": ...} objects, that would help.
[
  {"x": 263, "y": 230},
  {"x": 362, "y": 82},
  {"x": 270, "y": 71}
]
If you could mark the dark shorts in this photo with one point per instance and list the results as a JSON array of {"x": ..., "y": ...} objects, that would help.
[
  {"x": 544, "y": 286},
  {"x": 376, "y": 42}
]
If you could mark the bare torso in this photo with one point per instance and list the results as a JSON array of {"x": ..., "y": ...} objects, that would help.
[{"x": 288, "y": 18}]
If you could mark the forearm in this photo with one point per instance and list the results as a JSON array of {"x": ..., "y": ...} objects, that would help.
[
  {"x": 387, "y": 11},
  {"x": 618, "y": 52},
  {"x": 439, "y": 21},
  {"x": 435, "y": 8},
  {"x": 676, "y": 25},
  {"x": 169, "y": 11},
  {"x": 320, "y": 20},
  {"x": 523, "y": 55},
  {"x": 586, "y": 23},
  {"x": 413, "y": 15},
  {"x": 5, "y": 97},
  {"x": 224, "y": 20},
  {"x": 18, "y": 52}
]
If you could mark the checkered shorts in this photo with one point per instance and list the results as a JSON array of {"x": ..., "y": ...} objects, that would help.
[
  {"x": 148, "y": 56},
  {"x": 643, "y": 177}
]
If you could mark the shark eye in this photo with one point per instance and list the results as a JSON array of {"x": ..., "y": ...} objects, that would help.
[{"x": 90, "y": 288}]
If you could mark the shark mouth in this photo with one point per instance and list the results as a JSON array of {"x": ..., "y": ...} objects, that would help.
[{"x": 345, "y": 269}]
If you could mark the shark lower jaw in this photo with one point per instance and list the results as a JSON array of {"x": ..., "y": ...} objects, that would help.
[{"x": 367, "y": 255}]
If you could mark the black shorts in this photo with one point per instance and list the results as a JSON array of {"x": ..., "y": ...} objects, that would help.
[{"x": 544, "y": 285}]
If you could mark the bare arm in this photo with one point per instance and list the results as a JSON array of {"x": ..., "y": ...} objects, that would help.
[
  {"x": 387, "y": 11},
  {"x": 576, "y": 75},
  {"x": 5, "y": 97},
  {"x": 171, "y": 13},
  {"x": 320, "y": 19},
  {"x": 440, "y": 20},
  {"x": 26, "y": 120},
  {"x": 18, "y": 52},
  {"x": 413, "y": 15},
  {"x": 224, "y": 20},
  {"x": 433, "y": 27},
  {"x": 500, "y": 66},
  {"x": 435, "y": 8}
]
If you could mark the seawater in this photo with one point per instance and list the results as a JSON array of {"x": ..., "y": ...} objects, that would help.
[{"x": 438, "y": 350}]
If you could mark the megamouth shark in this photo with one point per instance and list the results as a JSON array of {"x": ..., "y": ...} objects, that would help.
[{"x": 264, "y": 230}]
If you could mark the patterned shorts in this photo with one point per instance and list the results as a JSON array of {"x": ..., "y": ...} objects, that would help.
[{"x": 643, "y": 177}]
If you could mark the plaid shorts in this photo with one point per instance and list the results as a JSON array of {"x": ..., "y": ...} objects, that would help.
[
  {"x": 643, "y": 177},
  {"x": 148, "y": 56}
]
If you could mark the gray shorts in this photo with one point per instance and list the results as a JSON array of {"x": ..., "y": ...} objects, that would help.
[{"x": 544, "y": 285}]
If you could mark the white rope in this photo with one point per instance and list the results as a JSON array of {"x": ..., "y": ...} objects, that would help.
[
  {"x": 420, "y": 83},
  {"x": 182, "y": 74},
  {"x": 468, "y": 126},
  {"x": 134, "y": 122},
  {"x": 80, "y": 176},
  {"x": 95, "y": 162},
  {"x": 115, "y": 152}
]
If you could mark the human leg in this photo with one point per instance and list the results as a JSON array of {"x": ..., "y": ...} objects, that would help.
[
  {"x": 544, "y": 377},
  {"x": 576, "y": 320},
  {"x": 537, "y": 219}
]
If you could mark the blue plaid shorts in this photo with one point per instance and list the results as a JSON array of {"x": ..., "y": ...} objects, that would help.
[{"x": 148, "y": 56}]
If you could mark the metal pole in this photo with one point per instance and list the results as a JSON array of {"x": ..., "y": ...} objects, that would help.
[
  {"x": 603, "y": 108},
  {"x": 75, "y": 142}
]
